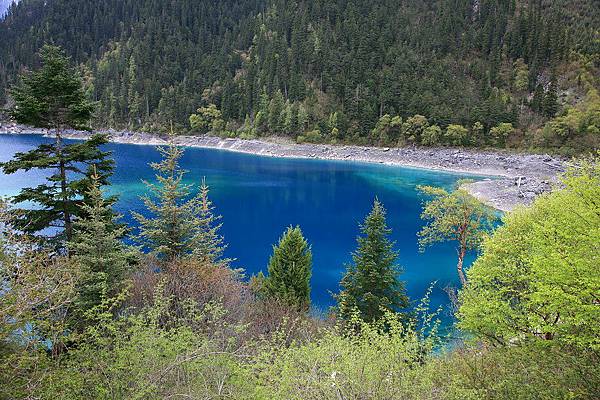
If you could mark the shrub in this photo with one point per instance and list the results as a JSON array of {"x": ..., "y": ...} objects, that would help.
[
  {"x": 431, "y": 136},
  {"x": 371, "y": 364},
  {"x": 456, "y": 135},
  {"x": 501, "y": 132}
]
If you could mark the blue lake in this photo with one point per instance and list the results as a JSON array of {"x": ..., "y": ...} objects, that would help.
[{"x": 259, "y": 197}]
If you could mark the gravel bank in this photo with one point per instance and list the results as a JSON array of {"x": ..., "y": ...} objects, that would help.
[{"x": 518, "y": 178}]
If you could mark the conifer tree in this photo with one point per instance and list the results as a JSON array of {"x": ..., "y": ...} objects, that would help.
[
  {"x": 53, "y": 98},
  {"x": 372, "y": 285},
  {"x": 550, "y": 101},
  {"x": 290, "y": 270},
  {"x": 98, "y": 251},
  {"x": 179, "y": 224},
  {"x": 210, "y": 244}
]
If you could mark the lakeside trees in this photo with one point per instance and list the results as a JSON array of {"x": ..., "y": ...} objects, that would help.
[
  {"x": 85, "y": 321},
  {"x": 530, "y": 305},
  {"x": 538, "y": 277},
  {"x": 289, "y": 271},
  {"x": 194, "y": 336},
  {"x": 179, "y": 224},
  {"x": 52, "y": 97},
  {"x": 372, "y": 286},
  {"x": 98, "y": 252},
  {"x": 455, "y": 216}
]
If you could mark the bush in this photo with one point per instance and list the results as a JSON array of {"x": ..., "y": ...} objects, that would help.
[
  {"x": 431, "y": 136},
  {"x": 140, "y": 356},
  {"x": 509, "y": 373},
  {"x": 456, "y": 135},
  {"x": 313, "y": 136},
  {"x": 372, "y": 364},
  {"x": 501, "y": 132}
]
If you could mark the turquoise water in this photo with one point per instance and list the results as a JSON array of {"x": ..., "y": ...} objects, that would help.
[{"x": 259, "y": 197}]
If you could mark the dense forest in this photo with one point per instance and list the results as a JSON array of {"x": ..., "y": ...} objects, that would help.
[
  {"x": 86, "y": 314},
  {"x": 458, "y": 72}
]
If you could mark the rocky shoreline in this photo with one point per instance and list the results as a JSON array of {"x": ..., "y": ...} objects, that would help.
[{"x": 511, "y": 179}]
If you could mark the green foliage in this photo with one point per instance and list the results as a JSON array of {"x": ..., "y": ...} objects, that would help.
[
  {"x": 61, "y": 197},
  {"x": 521, "y": 75},
  {"x": 193, "y": 328},
  {"x": 538, "y": 275},
  {"x": 509, "y": 373},
  {"x": 456, "y": 135},
  {"x": 501, "y": 132},
  {"x": 38, "y": 291},
  {"x": 374, "y": 363},
  {"x": 372, "y": 285},
  {"x": 51, "y": 97},
  {"x": 413, "y": 128},
  {"x": 454, "y": 216},
  {"x": 208, "y": 119},
  {"x": 431, "y": 136},
  {"x": 209, "y": 244},
  {"x": 179, "y": 225},
  {"x": 550, "y": 102},
  {"x": 291, "y": 66},
  {"x": 578, "y": 127},
  {"x": 97, "y": 250},
  {"x": 137, "y": 357},
  {"x": 289, "y": 270}
]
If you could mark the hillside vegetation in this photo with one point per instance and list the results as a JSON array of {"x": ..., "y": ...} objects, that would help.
[{"x": 455, "y": 72}]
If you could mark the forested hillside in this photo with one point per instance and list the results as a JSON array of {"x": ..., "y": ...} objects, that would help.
[{"x": 458, "y": 72}]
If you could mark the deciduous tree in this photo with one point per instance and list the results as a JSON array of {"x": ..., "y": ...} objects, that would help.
[
  {"x": 454, "y": 216},
  {"x": 537, "y": 277}
]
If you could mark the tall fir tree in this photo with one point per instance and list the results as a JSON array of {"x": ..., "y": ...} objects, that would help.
[
  {"x": 289, "y": 270},
  {"x": 52, "y": 97},
  {"x": 550, "y": 101},
  {"x": 372, "y": 282},
  {"x": 97, "y": 249},
  {"x": 179, "y": 224},
  {"x": 210, "y": 244}
]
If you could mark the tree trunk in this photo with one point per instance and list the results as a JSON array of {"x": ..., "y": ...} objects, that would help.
[
  {"x": 63, "y": 188},
  {"x": 462, "y": 250}
]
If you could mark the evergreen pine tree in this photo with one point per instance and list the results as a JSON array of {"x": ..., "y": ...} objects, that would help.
[
  {"x": 290, "y": 270},
  {"x": 98, "y": 251},
  {"x": 53, "y": 98},
  {"x": 372, "y": 282},
  {"x": 538, "y": 98},
  {"x": 210, "y": 244},
  {"x": 179, "y": 225},
  {"x": 550, "y": 101}
]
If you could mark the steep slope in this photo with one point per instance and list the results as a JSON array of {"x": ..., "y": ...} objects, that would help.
[{"x": 334, "y": 69}]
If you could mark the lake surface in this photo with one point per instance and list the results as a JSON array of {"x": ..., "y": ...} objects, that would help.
[{"x": 259, "y": 197}]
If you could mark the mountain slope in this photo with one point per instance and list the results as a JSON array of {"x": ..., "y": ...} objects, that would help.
[{"x": 330, "y": 68}]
